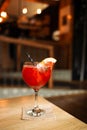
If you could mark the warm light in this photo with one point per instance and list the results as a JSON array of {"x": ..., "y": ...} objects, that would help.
[
  {"x": 69, "y": 16},
  {"x": 24, "y": 10},
  {"x": 3, "y": 14},
  {"x": 38, "y": 11},
  {"x": 1, "y": 19}
]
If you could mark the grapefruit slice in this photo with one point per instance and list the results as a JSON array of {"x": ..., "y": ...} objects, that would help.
[{"x": 47, "y": 62}]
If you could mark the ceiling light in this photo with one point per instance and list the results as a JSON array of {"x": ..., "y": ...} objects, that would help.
[
  {"x": 4, "y": 14},
  {"x": 38, "y": 11},
  {"x": 24, "y": 10}
]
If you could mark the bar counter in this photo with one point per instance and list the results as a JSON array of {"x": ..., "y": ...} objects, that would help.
[{"x": 56, "y": 118}]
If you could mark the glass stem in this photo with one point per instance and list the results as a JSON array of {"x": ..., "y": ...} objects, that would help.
[{"x": 36, "y": 100}]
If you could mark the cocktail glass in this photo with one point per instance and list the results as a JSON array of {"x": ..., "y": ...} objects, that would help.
[{"x": 36, "y": 76}]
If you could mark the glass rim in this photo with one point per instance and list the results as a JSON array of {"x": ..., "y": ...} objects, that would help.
[{"x": 30, "y": 63}]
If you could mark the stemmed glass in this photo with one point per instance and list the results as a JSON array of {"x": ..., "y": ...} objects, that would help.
[{"x": 36, "y": 76}]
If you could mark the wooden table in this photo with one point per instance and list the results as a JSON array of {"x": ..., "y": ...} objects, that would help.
[{"x": 56, "y": 118}]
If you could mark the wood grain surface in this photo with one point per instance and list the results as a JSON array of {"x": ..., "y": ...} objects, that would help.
[{"x": 56, "y": 118}]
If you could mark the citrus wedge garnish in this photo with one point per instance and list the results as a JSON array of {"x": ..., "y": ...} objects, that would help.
[{"x": 47, "y": 62}]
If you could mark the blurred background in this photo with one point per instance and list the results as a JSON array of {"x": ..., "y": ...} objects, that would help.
[
  {"x": 43, "y": 28},
  {"x": 29, "y": 25}
]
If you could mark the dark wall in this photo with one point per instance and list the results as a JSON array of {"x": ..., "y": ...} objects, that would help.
[
  {"x": 1, "y": 2},
  {"x": 80, "y": 40},
  {"x": 53, "y": 12}
]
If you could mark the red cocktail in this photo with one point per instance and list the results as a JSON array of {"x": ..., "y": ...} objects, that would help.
[{"x": 36, "y": 76}]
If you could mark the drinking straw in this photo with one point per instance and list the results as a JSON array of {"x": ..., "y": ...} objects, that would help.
[{"x": 31, "y": 59}]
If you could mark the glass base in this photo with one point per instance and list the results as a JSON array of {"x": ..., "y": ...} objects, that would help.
[
  {"x": 35, "y": 112},
  {"x": 44, "y": 112}
]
